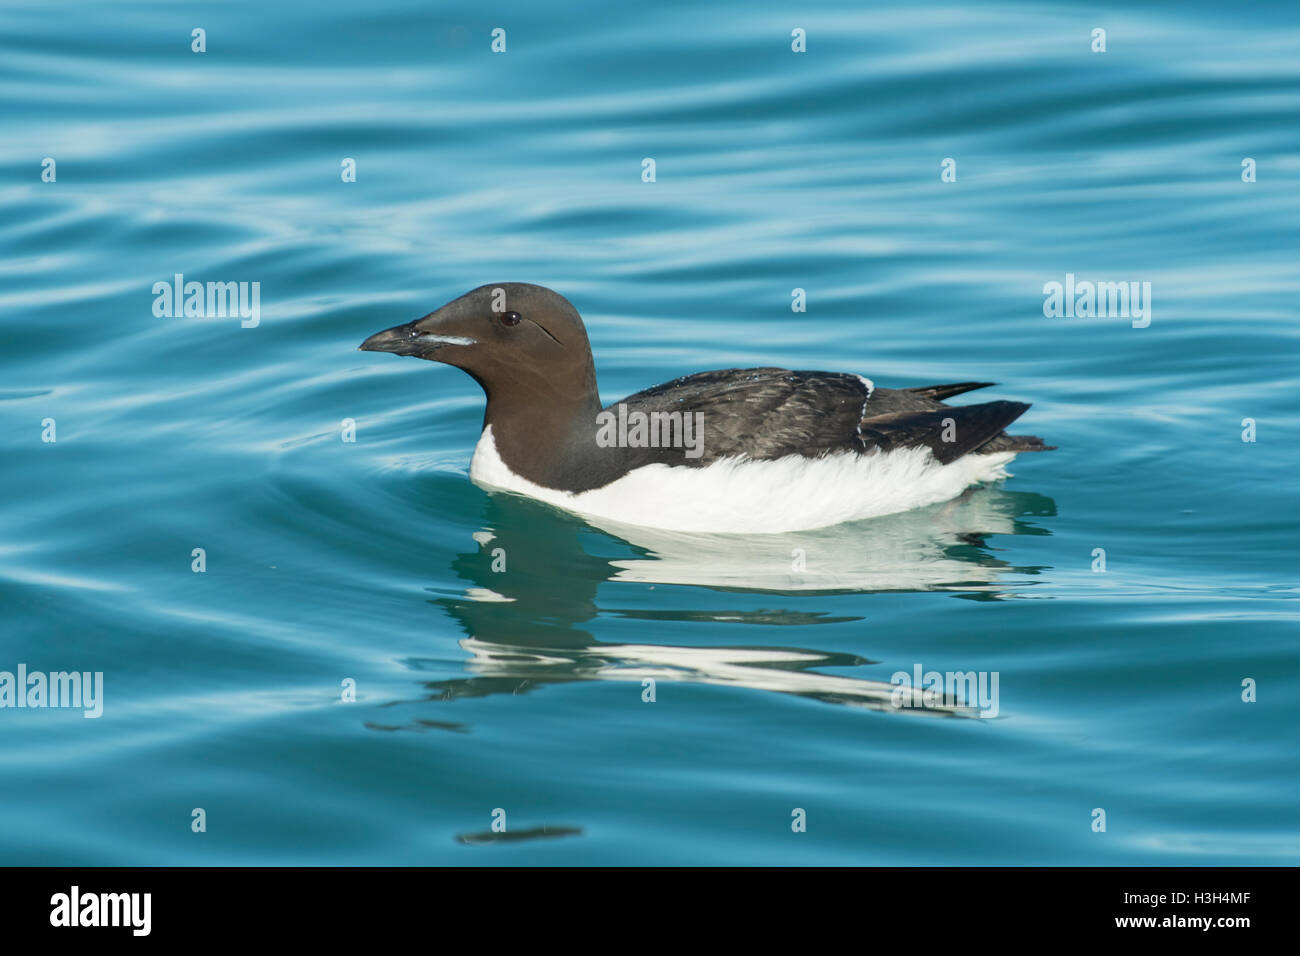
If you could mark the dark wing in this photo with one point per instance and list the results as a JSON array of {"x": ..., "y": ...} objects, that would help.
[
  {"x": 766, "y": 413},
  {"x": 759, "y": 413}
]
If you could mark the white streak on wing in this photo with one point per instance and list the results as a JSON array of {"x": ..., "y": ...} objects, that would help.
[
  {"x": 871, "y": 387},
  {"x": 737, "y": 495}
]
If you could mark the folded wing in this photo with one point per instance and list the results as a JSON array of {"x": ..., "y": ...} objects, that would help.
[{"x": 767, "y": 413}]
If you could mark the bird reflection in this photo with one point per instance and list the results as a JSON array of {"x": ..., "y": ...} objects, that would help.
[{"x": 533, "y": 580}]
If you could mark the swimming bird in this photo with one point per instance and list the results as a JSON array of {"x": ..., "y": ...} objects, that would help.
[{"x": 732, "y": 450}]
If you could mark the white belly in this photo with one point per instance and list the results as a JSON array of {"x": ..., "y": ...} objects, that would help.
[{"x": 735, "y": 495}]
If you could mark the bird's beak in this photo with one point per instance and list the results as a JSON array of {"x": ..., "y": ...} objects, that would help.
[
  {"x": 390, "y": 340},
  {"x": 409, "y": 339}
]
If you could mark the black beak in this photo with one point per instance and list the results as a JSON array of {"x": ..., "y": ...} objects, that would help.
[
  {"x": 400, "y": 340},
  {"x": 421, "y": 338}
]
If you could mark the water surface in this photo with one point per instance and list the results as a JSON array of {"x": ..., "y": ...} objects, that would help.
[{"x": 521, "y": 689}]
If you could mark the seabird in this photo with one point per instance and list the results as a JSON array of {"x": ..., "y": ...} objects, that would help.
[{"x": 732, "y": 450}]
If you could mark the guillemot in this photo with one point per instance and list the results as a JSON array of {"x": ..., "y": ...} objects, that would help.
[{"x": 731, "y": 450}]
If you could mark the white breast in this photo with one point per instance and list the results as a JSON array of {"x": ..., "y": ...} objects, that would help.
[{"x": 735, "y": 495}]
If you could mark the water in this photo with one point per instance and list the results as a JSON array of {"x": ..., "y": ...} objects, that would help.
[{"x": 521, "y": 690}]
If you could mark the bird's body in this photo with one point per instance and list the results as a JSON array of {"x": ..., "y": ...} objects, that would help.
[{"x": 732, "y": 450}]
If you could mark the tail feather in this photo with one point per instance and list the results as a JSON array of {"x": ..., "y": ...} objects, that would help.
[
  {"x": 908, "y": 417},
  {"x": 949, "y": 432},
  {"x": 940, "y": 392},
  {"x": 1005, "y": 442}
]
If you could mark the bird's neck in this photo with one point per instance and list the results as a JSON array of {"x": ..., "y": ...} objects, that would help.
[{"x": 545, "y": 436}]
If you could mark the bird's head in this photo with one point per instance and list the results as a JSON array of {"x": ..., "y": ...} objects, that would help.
[{"x": 515, "y": 339}]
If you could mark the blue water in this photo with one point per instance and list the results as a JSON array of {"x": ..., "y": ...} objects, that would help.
[{"x": 521, "y": 689}]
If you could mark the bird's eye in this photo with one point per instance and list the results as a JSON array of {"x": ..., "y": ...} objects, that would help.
[{"x": 510, "y": 318}]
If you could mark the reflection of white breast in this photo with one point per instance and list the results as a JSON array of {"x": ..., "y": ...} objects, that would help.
[
  {"x": 737, "y": 495},
  {"x": 777, "y": 670}
]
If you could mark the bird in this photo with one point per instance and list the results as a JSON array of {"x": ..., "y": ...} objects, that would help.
[{"x": 727, "y": 451}]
